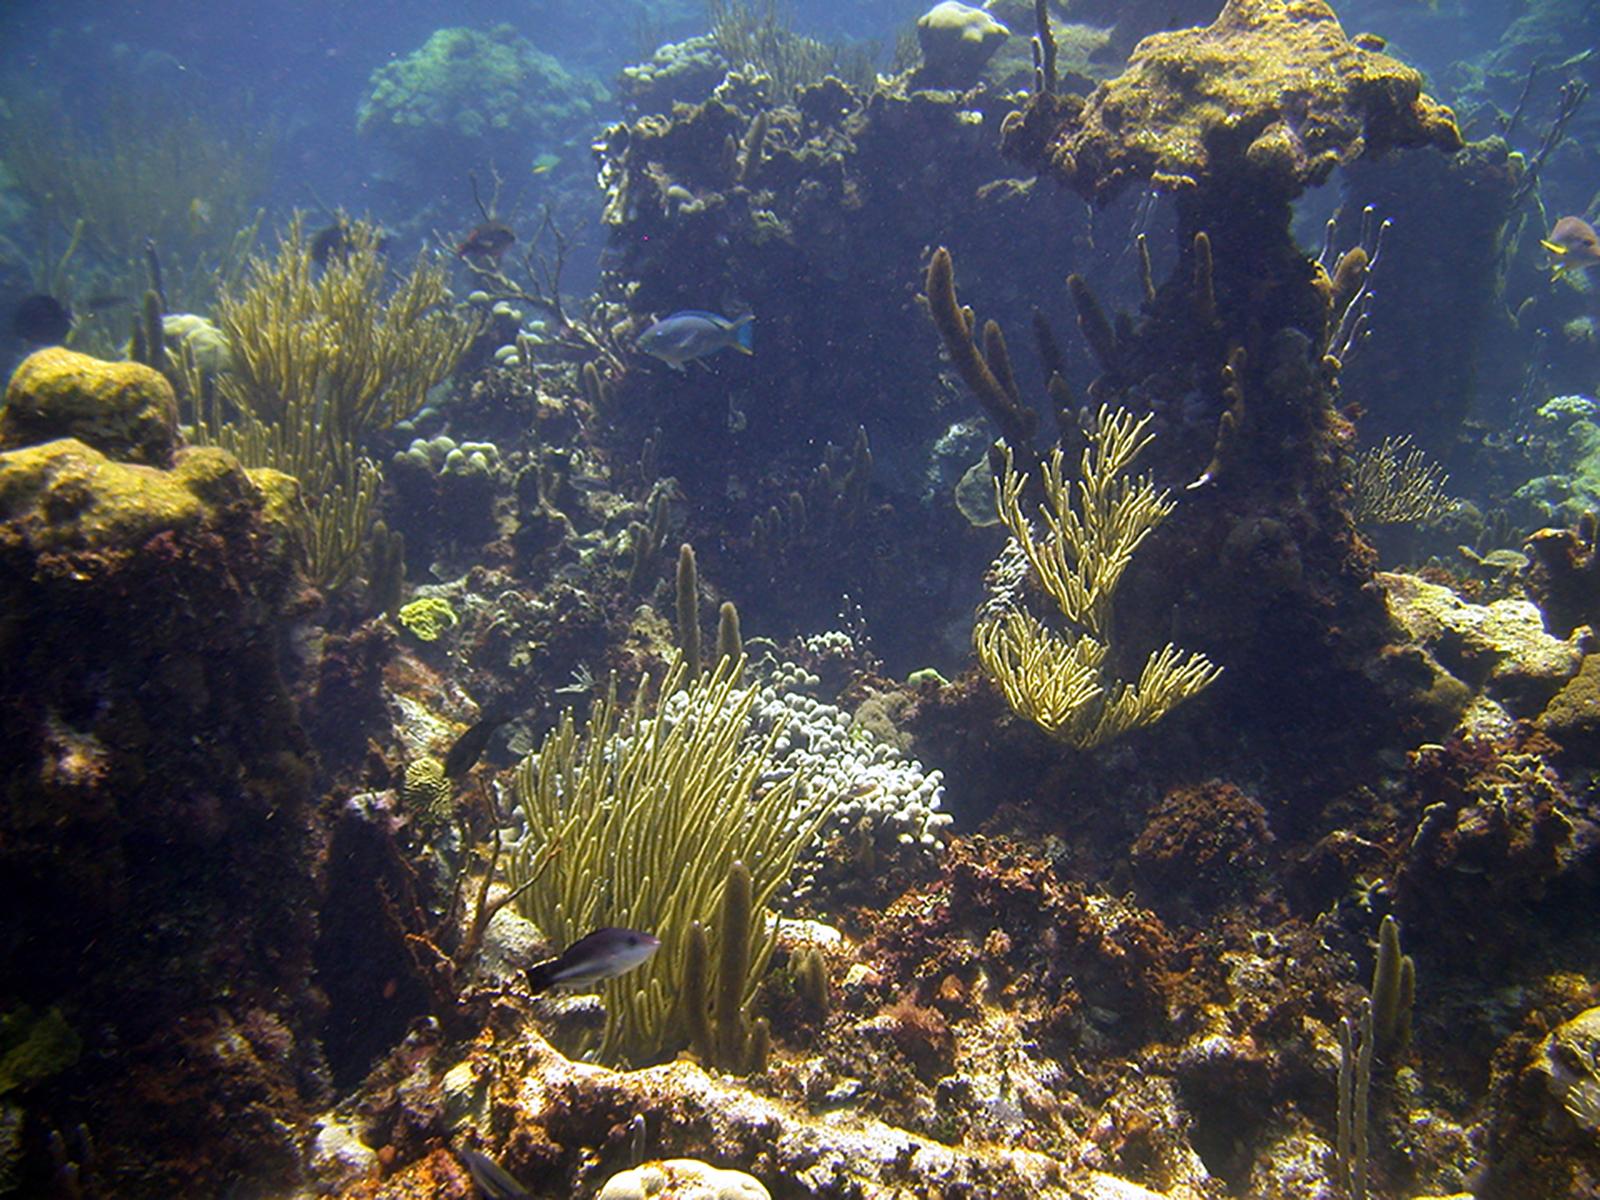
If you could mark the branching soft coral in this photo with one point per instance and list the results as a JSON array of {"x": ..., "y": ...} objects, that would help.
[{"x": 1092, "y": 526}]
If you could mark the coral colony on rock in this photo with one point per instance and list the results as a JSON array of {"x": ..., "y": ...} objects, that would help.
[{"x": 1099, "y": 700}]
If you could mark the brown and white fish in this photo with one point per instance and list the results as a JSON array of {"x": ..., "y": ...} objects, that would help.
[{"x": 1574, "y": 244}]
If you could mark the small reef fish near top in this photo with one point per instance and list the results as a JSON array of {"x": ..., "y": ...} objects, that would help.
[
  {"x": 603, "y": 954},
  {"x": 692, "y": 334},
  {"x": 1575, "y": 245},
  {"x": 332, "y": 243},
  {"x": 492, "y": 1180}
]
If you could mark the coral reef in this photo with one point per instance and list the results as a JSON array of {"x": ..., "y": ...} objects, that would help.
[
  {"x": 1269, "y": 98},
  {"x": 810, "y": 227},
  {"x": 278, "y": 853},
  {"x": 466, "y": 98},
  {"x": 447, "y": 493},
  {"x": 1249, "y": 322},
  {"x": 156, "y": 853}
]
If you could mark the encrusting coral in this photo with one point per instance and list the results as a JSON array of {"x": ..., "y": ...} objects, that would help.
[
  {"x": 1272, "y": 90},
  {"x": 143, "y": 606},
  {"x": 1059, "y": 683}
]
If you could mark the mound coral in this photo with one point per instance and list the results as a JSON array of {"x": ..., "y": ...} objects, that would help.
[
  {"x": 124, "y": 409},
  {"x": 681, "y": 1179},
  {"x": 479, "y": 95},
  {"x": 146, "y": 710}
]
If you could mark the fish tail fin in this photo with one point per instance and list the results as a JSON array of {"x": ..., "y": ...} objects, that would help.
[
  {"x": 744, "y": 334},
  {"x": 541, "y": 976}
]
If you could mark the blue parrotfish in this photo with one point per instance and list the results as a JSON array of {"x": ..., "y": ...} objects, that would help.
[
  {"x": 603, "y": 954},
  {"x": 691, "y": 334}
]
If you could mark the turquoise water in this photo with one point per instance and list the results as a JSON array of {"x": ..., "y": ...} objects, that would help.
[{"x": 888, "y": 598}]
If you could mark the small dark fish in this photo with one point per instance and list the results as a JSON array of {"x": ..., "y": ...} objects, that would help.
[
  {"x": 1575, "y": 245},
  {"x": 603, "y": 954},
  {"x": 490, "y": 240},
  {"x": 493, "y": 1181},
  {"x": 101, "y": 301},
  {"x": 332, "y": 243},
  {"x": 42, "y": 319},
  {"x": 469, "y": 747},
  {"x": 692, "y": 334}
]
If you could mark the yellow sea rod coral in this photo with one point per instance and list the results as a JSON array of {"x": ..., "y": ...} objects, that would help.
[
  {"x": 649, "y": 807},
  {"x": 1093, "y": 526}
]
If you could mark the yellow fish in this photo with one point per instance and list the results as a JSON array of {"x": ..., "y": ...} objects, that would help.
[
  {"x": 1576, "y": 248},
  {"x": 545, "y": 162}
]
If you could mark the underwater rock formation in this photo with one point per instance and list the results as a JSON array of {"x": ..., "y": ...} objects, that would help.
[
  {"x": 1500, "y": 651},
  {"x": 1270, "y": 96},
  {"x": 568, "y": 1119},
  {"x": 156, "y": 857},
  {"x": 125, "y": 410},
  {"x": 1235, "y": 121},
  {"x": 812, "y": 216}
]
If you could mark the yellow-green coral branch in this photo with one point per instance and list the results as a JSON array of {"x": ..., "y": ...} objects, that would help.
[
  {"x": 1086, "y": 547},
  {"x": 649, "y": 807},
  {"x": 1092, "y": 528}
]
